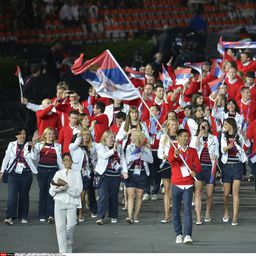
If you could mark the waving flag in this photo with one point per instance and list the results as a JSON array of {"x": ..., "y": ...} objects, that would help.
[
  {"x": 215, "y": 69},
  {"x": 182, "y": 75},
  {"x": 135, "y": 74},
  {"x": 106, "y": 76},
  {"x": 18, "y": 74},
  {"x": 214, "y": 85},
  {"x": 213, "y": 171},
  {"x": 195, "y": 66},
  {"x": 136, "y": 154},
  {"x": 234, "y": 45},
  {"x": 165, "y": 77}
]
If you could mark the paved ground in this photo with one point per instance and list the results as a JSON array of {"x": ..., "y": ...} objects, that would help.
[{"x": 148, "y": 236}]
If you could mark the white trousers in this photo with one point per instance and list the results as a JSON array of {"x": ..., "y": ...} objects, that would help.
[{"x": 65, "y": 221}]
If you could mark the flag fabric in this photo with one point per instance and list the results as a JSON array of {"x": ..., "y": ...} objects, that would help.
[
  {"x": 182, "y": 75},
  {"x": 195, "y": 66},
  {"x": 106, "y": 76},
  {"x": 18, "y": 74},
  {"x": 234, "y": 45},
  {"x": 214, "y": 85},
  {"x": 135, "y": 74},
  {"x": 136, "y": 154},
  {"x": 165, "y": 77},
  {"x": 213, "y": 171},
  {"x": 215, "y": 69}
]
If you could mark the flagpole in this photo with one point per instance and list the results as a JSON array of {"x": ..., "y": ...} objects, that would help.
[
  {"x": 21, "y": 92},
  {"x": 143, "y": 101}
]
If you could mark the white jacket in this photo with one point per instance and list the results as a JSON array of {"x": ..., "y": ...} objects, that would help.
[
  {"x": 75, "y": 187},
  {"x": 35, "y": 153},
  {"x": 10, "y": 155},
  {"x": 104, "y": 153},
  {"x": 146, "y": 156},
  {"x": 212, "y": 145},
  {"x": 109, "y": 111},
  {"x": 122, "y": 135},
  {"x": 241, "y": 153},
  {"x": 78, "y": 154},
  {"x": 164, "y": 147}
]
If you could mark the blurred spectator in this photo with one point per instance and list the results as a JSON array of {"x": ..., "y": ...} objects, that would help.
[{"x": 198, "y": 23}]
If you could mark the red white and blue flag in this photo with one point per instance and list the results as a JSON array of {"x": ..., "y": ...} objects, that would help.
[
  {"x": 135, "y": 74},
  {"x": 234, "y": 45},
  {"x": 213, "y": 171},
  {"x": 165, "y": 77},
  {"x": 106, "y": 76},
  {"x": 216, "y": 70},
  {"x": 195, "y": 66},
  {"x": 182, "y": 75},
  {"x": 214, "y": 85},
  {"x": 136, "y": 154},
  {"x": 18, "y": 74}
]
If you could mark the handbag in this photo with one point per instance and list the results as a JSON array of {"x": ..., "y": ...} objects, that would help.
[{"x": 97, "y": 181}]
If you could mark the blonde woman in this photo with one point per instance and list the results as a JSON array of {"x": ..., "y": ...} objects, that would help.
[
  {"x": 47, "y": 154},
  {"x": 83, "y": 152},
  {"x": 172, "y": 127},
  {"x": 138, "y": 155},
  {"x": 111, "y": 164}
]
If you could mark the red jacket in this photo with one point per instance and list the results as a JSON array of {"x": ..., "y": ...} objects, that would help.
[
  {"x": 250, "y": 67},
  {"x": 251, "y": 135},
  {"x": 114, "y": 128},
  {"x": 65, "y": 138},
  {"x": 100, "y": 126},
  {"x": 233, "y": 90},
  {"x": 192, "y": 160},
  {"x": 45, "y": 120},
  {"x": 251, "y": 107}
]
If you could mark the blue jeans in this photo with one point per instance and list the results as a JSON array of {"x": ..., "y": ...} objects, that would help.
[
  {"x": 18, "y": 194},
  {"x": 46, "y": 202},
  {"x": 108, "y": 193},
  {"x": 178, "y": 195}
]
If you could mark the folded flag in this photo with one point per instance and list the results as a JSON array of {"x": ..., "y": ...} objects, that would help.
[
  {"x": 195, "y": 66},
  {"x": 106, "y": 76},
  {"x": 165, "y": 77},
  {"x": 213, "y": 171},
  {"x": 182, "y": 75},
  {"x": 234, "y": 45},
  {"x": 136, "y": 154},
  {"x": 18, "y": 74},
  {"x": 214, "y": 85},
  {"x": 135, "y": 74}
]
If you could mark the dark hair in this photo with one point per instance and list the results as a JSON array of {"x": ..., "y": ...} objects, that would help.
[
  {"x": 204, "y": 121},
  {"x": 244, "y": 88},
  {"x": 231, "y": 121},
  {"x": 35, "y": 68},
  {"x": 250, "y": 74},
  {"x": 100, "y": 105},
  {"x": 158, "y": 108},
  {"x": 236, "y": 106},
  {"x": 66, "y": 154},
  {"x": 181, "y": 131},
  {"x": 121, "y": 115},
  {"x": 158, "y": 85},
  {"x": 172, "y": 111},
  {"x": 195, "y": 96},
  {"x": 247, "y": 53},
  {"x": 74, "y": 112},
  {"x": 18, "y": 130},
  {"x": 150, "y": 85}
]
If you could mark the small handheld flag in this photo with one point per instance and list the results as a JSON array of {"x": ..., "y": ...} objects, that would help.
[{"x": 21, "y": 81}]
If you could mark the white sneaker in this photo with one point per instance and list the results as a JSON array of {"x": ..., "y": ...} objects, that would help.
[
  {"x": 94, "y": 216},
  {"x": 24, "y": 221},
  {"x": 145, "y": 197},
  {"x": 8, "y": 221},
  {"x": 42, "y": 220},
  {"x": 154, "y": 197},
  {"x": 113, "y": 220},
  {"x": 187, "y": 240},
  {"x": 179, "y": 239}
]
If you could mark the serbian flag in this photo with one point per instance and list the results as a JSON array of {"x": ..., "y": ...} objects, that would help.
[
  {"x": 165, "y": 77},
  {"x": 135, "y": 74},
  {"x": 18, "y": 74},
  {"x": 234, "y": 45},
  {"x": 136, "y": 154},
  {"x": 213, "y": 171},
  {"x": 195, "y": 66},
  {"x": 214, "y": 85},
  {"x": 215, "y": 69},
  {"x": 106, "y": 76},
  {"x": 182, "y": 75}
]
